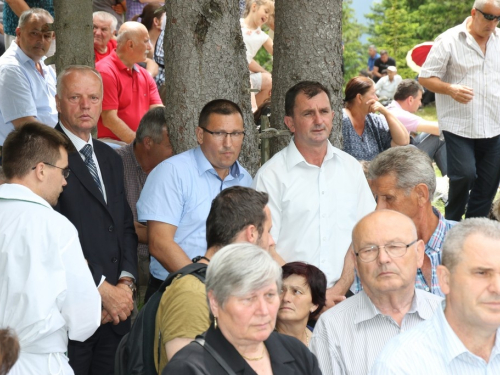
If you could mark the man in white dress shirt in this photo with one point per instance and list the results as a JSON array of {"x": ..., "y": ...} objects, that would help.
[
  {"x": 462, "y": 339},
  {"x": 47, "y": 290},
  {"x": 463, "y": 70},
  {"x": 348, "y": 338},
  {"x": 317, "y": 193}
]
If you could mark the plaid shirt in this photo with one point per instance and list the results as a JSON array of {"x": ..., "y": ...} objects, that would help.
[
  {"x": 433, "y": 251},
  {"x": 134, "y": 179},
  {"x": 10, "y": 20},
  {"x": 134, "y": 7},
  {"x": 159, "y": 57}
]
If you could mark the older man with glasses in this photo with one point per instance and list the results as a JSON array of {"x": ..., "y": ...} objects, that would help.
[
  {"x": 463, "y": 69},
  {"x": 348, "y": 338}
]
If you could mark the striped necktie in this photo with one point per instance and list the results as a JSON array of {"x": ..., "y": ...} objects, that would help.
[{"x": 89, "y": 162}]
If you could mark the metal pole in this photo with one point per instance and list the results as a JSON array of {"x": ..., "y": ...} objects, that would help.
[{"x": 264, "y": 142}]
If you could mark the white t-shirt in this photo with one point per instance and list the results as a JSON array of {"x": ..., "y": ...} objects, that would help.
[{"x": 254, "y": 39}]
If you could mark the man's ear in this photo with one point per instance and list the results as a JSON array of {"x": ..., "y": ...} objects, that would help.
[
  {"x": 289, "y": 123},
  {"x": 422, "y": 192},
  {"x": 147, "y": 142},
  {"x": 443, "y": 275},
  {"x": 199, "y": 135}
]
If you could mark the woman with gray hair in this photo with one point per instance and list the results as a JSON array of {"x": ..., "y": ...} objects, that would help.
[{"x": 243, "y": 284}]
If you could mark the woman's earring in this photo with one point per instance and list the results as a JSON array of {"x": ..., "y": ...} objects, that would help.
[{"x": 215, "y": 322}]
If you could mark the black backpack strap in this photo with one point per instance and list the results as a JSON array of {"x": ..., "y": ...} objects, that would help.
[{"x": 200, "y": 340}]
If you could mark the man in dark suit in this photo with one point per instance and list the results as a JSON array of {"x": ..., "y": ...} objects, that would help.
[{"x": 94, "y": 201}]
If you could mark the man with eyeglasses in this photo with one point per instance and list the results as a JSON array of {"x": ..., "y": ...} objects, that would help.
[
  {"x": 348, "y": 338},
  {"x": 463, "y": 69},
  {"x": 176, "y": 198},
  {"x": 317, "y": 193},
  {"x": 462, "y": 338},
  {"x": 27, "y": 85},
  {"x": 47, "y": 289}
]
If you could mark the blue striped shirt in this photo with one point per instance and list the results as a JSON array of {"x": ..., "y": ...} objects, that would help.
[{"x": 433, "y": 348}]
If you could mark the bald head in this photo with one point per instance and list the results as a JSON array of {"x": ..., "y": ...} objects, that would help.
[{"x": 133, "y": 43}]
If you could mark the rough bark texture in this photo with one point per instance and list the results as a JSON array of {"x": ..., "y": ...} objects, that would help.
[
  {"x": 74, "y": 38},
  {"x": 307, "y": 46},
  {"x": 205, "y": 60}
]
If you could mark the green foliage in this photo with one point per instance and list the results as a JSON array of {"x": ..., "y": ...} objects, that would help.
[
  {"x": 439, "y": 15},
  {"x": 354, "y": 59}
]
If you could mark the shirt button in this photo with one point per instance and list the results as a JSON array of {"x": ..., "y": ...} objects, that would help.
[
  {"x": 110, "y": 228},
  {"x": 114, "y": 259},
  {"x": 322, "y": 192}
]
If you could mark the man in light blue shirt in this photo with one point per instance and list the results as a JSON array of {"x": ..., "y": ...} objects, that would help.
[
  {"x": 462, "y": 339},
  {"x": 27, "y": 85},
  {"x": 178, "y": 193}
]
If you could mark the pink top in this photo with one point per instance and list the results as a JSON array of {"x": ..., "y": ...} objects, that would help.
[{"x": 409, "y": 120}]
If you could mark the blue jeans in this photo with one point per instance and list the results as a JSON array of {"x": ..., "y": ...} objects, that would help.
[
  {"x": 434, "y": 147},
  {"x": 474, "y": 173}
]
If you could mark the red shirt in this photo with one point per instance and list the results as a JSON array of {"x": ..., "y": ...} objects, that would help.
[
  {"x": 130, "y": 91},
  {"x": 111, "y": 47}
]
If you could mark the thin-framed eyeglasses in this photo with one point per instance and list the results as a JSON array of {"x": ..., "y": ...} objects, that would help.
[
  {"x": 236, "y": 136},
  {"x": 65, "y": 171},
  {"x": 487, "y": 16},
  {"x": 393, "y": 249}
]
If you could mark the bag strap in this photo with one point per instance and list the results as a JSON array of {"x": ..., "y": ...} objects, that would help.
[{"x": 200, "y": 340}]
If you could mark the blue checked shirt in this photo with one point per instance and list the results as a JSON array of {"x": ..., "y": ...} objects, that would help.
[
  {"x": 433, "y": 251},
  {"x": 159, "y": 57}
]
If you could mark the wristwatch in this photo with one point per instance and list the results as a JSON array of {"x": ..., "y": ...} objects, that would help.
[{"x": 130, "y": 284}]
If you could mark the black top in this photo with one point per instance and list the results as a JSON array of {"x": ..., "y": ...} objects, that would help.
[
  {"x": 382, "y": 66},
  {"x": 288, "y": 356}
]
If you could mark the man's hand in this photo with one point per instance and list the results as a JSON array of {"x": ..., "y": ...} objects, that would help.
[
  {"x": 118, "y": 8},
  {"x": 117, "y": 301},
  {"x": 461, "y": 94},
  {"x": 334, "y": 295}
]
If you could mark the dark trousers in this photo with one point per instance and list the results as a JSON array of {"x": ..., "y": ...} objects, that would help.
[
  {"x": 153, "y": 285},
  {"x": 474, "y": 173},
  {"x": 95, "y": 356}
]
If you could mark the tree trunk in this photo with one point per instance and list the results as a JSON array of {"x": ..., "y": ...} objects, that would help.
[
  {"x": 205, "y": 60},
  {"x": 307, "y": 46},
  {"x": 74, "y": 37}
]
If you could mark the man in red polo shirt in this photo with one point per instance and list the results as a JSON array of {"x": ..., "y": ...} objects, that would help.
[
  {"x": 104, "y": 30},
  {"x": 129, "y": 90}
]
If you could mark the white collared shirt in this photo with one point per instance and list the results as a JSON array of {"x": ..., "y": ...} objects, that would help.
[
  {"x": 348, "y": 337},
  {"x": 314, "y": 209},
  {"x": 456, "y": 58},
  {"x": 79, "y": 144}
]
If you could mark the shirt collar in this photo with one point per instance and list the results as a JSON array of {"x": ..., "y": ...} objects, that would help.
[
  {"x": 77, "y": 141},
  {"x": 204, "y": 165},
  {"x": 294, "y": 157},
  {"x": 367, "y": 310},
  {"x": 130, "y": 150},
  {"x": 21, "y": 193},
  {"x": 24, "y": 58},
  {"x": 437, "y": 237}
]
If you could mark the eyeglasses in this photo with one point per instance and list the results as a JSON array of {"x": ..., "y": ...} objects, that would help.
[
  {"x": 488, "y": 17},
  {"x": 393, "y": 249},
  {"x": 65, "y": 171},
  {"x": 237, "y": 136}
]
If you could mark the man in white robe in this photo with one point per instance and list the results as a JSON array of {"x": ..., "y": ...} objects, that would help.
[{"x": 46, "y": 289}]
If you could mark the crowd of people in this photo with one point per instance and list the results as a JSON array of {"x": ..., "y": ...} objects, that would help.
[{"x": 319, "y": 264}]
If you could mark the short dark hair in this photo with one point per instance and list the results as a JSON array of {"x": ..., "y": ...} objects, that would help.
[
  {"x": 316, "y": 280},
  {"x": 27, "y": 14},
  {"x": 232, "y": 210},
  {"x": 152, "y": 124},
  {"x": 383, "y": 52},
  {"x": 356, "y": 85},
  {"x": 309, "y": 88},
  {"x": 406, "y": 88},
  {"x": 29, "y": 145},
  {"x": 220, "y": 107},
  {"x": 149, "y": 13},
  {"x": 9, "y": 350}
]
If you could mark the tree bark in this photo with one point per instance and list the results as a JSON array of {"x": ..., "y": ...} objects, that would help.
[
  {"x": 205, "y": 60},
  {"x": 307, "y": 46},
  {"x": 74, "y": 36}
]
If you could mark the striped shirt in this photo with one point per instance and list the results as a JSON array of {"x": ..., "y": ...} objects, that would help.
[
  {"x": 433, "y": 251},
  {"x": 348, "y": 338},
  {"x": 433, "y": 348},
  {"x": 456, "y": 58}
]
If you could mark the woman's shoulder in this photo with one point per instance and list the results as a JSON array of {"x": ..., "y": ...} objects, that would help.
[
  {"x": 189, "y": 361},
  {"x": 290, "y": 351}
]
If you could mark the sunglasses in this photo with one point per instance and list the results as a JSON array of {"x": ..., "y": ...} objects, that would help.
[{"x": 488, "y": 17}]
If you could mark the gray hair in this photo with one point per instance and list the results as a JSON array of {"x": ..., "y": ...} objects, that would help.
[
  {"x": 372, "y": 46},
  {"x": 75, "y": 68},
  {"x": 105, "y": 16},
  {"x": 152, "y": 125},
  {"x": 479, "y": 4},
  {"x": 239, "y": 269},
  {"x": 455, "y": 238},
  {"x": 408, "y": 164},
  {"x": 27, "y": 14}
]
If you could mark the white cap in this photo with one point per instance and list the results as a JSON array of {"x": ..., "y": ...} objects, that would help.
[{"x": 392, "y": 68}]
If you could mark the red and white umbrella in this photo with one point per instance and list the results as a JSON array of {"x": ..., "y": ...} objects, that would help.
[{"x": 417, "y": 55}]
